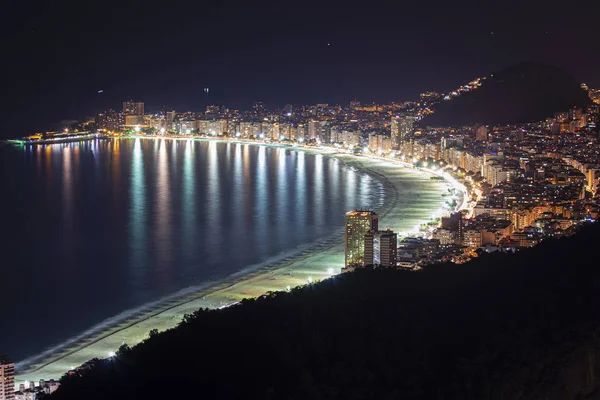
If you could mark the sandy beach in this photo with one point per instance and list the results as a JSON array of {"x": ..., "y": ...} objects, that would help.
[{"x": 411, "y": 198}]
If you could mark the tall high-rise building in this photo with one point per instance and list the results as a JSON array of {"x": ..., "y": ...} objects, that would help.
[
  {"x": 133, "y": 108},
  {"x": 358, "y": 223},
  {"x": 7, "y": 378},
  {"x": 481, "y": 133},
  {"x": 170, "y": 120},
  {"x": 401, "y": 127},
  {"x": 381, "y": 248},
  {"x": 455, "y": 223},
  {"x": 313, "y": 130}
]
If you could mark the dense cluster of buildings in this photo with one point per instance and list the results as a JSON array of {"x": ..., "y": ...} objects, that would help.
[
  {"x": 527, "y": 182},
  {"x": 29, "y": 391},
  {"x": 365, "y": 244}
]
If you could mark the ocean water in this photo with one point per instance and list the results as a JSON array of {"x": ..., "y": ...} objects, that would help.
[{"x": 94, "y": 228}]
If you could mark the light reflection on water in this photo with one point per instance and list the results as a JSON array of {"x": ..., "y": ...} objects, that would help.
[{"x": 129, "y": 221}]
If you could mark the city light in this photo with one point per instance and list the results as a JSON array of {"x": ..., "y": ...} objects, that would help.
[
  {"x": 162, "y": 130},
  {"x": 137, "y": 128},
  {"x": 111, "y": 354},
  {"x": 330, "y": 271},
  {"x": 310, "y": 279}
]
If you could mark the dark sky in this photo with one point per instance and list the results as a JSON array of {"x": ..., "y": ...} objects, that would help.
[{"x": 57, "y": 55}]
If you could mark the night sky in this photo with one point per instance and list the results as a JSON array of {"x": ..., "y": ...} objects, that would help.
[{"x": 57, "y": 56}]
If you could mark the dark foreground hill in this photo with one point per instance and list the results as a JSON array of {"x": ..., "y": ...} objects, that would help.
[
  {"x": 503, "y": 326},
  {"x": 524, "y": 92}
]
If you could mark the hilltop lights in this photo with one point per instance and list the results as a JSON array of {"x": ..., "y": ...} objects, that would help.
[
  {"x": 310, "y": 279},
  {"x": 111, "y": 354},
  {"x": 330, "y": 271}
]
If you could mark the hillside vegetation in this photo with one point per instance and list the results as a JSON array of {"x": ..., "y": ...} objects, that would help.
[
  {"x": 526, "y": 92},
  {"x": 502, "y": 326}
]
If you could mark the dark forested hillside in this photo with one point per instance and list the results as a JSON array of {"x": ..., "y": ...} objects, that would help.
[
  {"x": 525, "y": 92},
  {"x": 503, "y": 326}
]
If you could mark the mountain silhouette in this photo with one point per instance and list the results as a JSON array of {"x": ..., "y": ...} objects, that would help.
[{"x": 525, "y": 92}]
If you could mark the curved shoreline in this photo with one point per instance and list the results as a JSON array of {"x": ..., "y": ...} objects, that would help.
[{"x": 310, "y": 261}]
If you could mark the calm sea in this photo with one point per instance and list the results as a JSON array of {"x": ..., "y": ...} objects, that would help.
[{"x": 91, "y": 229}]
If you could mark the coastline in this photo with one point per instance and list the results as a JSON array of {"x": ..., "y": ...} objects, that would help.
[{"x": 310, "y": 262}]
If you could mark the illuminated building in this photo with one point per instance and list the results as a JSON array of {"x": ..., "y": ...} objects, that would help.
[
  {"x": 358, "y": 223},
  {"x": 380, "y": 143},
  {"x": 110, "y": 120},
  {"x": 187, "y": 127},
  {"x": 301, "y": 132},
  {"x": 481, "y": 133},
  {"x": 381, "y": 248},
  {"x": 7, "y": 378},
  {"x": 132, "y": 121},
  {"x": 257, "y": 128},
  {"x": 313, "y": 130},
  {"x": 170, "y": 119},
  {"x": 401, "y": 127},
  {"x": 454, "y": 223},
  {"x": 275, "y": 131},
  {"x": 285, "y": 131},
  {"x": 245, "y": 129},
  {"x": 472, "y": 238},
  {"x": 133, "y": 108},
  {"x": 350, "y": 139},
  {"x": 259, "y": 109},
  {"x": 354, "y": 104},
  {"x": 212, "y": 111}
]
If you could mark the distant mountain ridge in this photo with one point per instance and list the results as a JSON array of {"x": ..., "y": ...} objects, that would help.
[{"x": 524, "y": 92}]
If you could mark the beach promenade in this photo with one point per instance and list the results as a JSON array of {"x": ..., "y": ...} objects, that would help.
[{"x": 410, "y": 199}]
